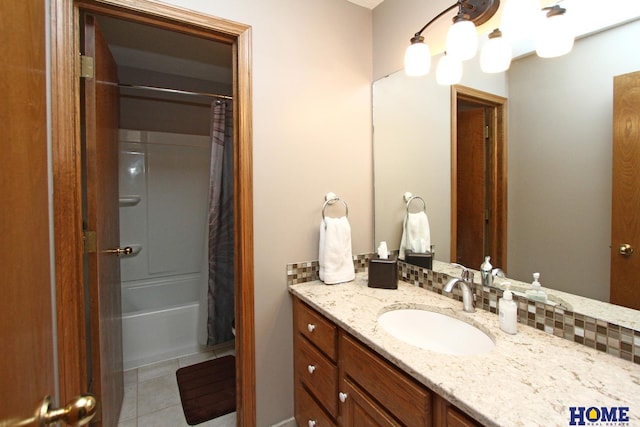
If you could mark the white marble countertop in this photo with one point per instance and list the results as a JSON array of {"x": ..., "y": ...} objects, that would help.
[{"x": 528, "y": 379}]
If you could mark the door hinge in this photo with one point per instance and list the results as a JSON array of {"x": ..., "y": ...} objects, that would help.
[
  {"x": 86, "y": 67},
  {"x": 486, "y": 131},
  {"x": 90, "y": 242}
]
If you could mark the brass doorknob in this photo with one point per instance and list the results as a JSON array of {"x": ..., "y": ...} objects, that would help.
[
  {"x": 625, "y": 250},
  {"x": 79, "y": 412}
]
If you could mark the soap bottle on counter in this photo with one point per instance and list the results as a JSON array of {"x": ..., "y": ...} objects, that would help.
[
  {"x": 536, "y": 293},
  {"x": 508, "y": 312}
]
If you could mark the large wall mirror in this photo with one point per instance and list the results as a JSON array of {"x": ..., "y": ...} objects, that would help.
[{"x": 559, "y": 158}]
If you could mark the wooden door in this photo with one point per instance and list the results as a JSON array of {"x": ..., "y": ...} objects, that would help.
[
  {"x": 471, "y": 204},
  {"x": 26, "y": 327},
  {"x": 625, "y": 214},
  {"x": 100, "y": 141}
]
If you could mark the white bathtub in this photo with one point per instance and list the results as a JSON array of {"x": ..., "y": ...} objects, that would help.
[{"x": 159, "y": 321}]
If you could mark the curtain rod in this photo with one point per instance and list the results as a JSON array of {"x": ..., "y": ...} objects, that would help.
[{"x": 182, "y": 92}]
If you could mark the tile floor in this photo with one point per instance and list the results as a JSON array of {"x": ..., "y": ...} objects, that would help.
[{"x": 151, "y": 397}]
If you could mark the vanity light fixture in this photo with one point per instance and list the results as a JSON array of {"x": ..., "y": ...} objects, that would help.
[
  {"x": 556, "y": 35},
  {"x": 462, "y": 38},
  {"x": 449, "y": 71},
  {"x": 496, "y": 53},
  {"x": 521, "y": 19}
]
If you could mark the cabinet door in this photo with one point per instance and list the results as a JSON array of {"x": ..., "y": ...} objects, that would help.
[
  {"x": 359, "y": 410},
  {"x": 456, "y": 418},
  {"x": 409, "y": 402},
  {"x": 447, "y": 415}
]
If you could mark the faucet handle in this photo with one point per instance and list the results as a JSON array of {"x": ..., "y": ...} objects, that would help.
[
  {"x": 467, "y": 275},
  {"x": 460, "y": 265}
]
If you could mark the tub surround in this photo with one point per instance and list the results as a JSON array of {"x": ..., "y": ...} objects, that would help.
[
  {"x": 163, "y": 184},
  {"x": 531, "y": 378}
]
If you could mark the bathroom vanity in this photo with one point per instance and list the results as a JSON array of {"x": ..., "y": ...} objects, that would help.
[
  {"x": 350, "y": 372},
  {"x": 338, "y": 377}
]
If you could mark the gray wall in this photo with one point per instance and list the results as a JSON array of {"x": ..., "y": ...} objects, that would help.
[{"x": 560, "y": 118}]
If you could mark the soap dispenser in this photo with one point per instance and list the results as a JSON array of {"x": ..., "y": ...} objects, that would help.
[
  {"x": 383, "y": 269},
  {"x": 485, "y": 272},
  {"x": 536, "y": 293},
  {"x": 508, "y": 312}
]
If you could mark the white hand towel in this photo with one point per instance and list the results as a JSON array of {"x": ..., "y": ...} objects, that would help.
[
  {"x": 416, "y": 235},
  {"x": 335, "y": 259}
]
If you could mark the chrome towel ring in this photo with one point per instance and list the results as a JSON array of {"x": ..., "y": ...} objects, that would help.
[
  {"x": 408, "y": 197},
  {"x": 330, "y": 199}
]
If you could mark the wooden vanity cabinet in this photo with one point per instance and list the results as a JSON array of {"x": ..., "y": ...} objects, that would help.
[{"x": 341, "y": 382}]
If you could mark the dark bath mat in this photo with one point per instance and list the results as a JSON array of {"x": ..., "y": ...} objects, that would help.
[{"x": 208, "y": 389}]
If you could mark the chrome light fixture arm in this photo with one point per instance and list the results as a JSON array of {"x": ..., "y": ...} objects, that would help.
[
  {"x": 417, "y": 35},
  {"x": 478, "y": 11}
]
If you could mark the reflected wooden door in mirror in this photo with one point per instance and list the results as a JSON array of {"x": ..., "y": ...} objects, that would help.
[
  {"x": 478, "y": 181},
  {"x": 625, "y": 223}
]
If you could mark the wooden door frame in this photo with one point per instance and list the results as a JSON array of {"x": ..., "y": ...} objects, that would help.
[
  {"x": 497, "y": 173},
  {"x": 67, "y": 195}
]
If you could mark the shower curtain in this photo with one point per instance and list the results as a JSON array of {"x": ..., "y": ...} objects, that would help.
[{"x": 220, "y": 293}]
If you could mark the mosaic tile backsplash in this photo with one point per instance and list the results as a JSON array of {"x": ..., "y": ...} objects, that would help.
[{"x": 607, "y": 337}]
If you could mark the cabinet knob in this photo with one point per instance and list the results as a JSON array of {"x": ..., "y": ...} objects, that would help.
[
  {"x": 311, "y": 368},
  {"x": 311, "y": 327},
  {"x": 311, "y": 423},
  {"x": 342, "y": 396}
]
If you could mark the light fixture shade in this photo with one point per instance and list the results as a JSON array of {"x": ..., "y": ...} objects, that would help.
[
  {"x": 521, "y": 19},
  {"x": 496, "y": 54},
  {"x": 462, "y": 40},
  {"x": 556, "y": 37},
  {"x": 449, "y": 71},
  {"x": 417, "y": 59}
]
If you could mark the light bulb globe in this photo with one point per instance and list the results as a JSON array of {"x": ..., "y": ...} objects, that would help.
[{"x": 417, "y": 59}]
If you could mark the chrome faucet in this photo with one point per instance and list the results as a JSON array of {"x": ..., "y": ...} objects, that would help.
[{"x": 468, "y": 288}]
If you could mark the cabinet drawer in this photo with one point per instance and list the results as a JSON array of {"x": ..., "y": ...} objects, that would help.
[
  {"x": 307, "y": 411},
  {"x": 393, "y": 390},
  {"x": 318, "y": 330},
  {"x": 318, "y": 374}
]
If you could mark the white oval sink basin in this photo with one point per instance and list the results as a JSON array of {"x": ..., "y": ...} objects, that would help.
[{"x": 435, "y": 331}]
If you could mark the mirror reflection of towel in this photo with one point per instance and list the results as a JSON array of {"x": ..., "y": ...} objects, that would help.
[
  {"x": 416, "y": 236},
  {"x": 335, "y": 258}
]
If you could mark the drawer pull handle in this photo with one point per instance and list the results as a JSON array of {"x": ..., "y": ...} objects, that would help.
[
  {"x": 311, "y": 423},
  {"x": 342, "y": 396},
  {"x": 311, "y": 327},
  {"x": 311, "y": 368}
]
